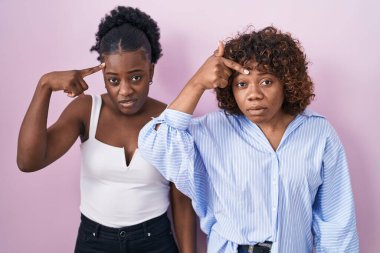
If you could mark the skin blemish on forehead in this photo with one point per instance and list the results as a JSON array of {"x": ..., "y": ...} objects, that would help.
[{"x": 253, "y": 66}]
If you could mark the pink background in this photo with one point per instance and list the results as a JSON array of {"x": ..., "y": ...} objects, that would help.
[{"x": 39, "y": 211}]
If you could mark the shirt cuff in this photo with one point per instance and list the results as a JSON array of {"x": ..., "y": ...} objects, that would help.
[{"x": 176, "y": 119}]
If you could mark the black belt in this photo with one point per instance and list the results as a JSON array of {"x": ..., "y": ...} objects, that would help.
[{"x": 262, "y": 247}]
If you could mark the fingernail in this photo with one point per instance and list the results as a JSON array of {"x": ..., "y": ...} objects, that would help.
[
  {"x": 103, "y": 65},
  {"x": 246, "y": 71}
]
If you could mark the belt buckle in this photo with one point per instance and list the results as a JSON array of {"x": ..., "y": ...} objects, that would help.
[{"x": 250, "y": 249}]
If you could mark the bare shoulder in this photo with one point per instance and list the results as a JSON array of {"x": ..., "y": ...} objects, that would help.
[
  {"x": 78, "y": 112},
  {"x": 155, "y": 107},
  {"x": 80, "y": 106}
]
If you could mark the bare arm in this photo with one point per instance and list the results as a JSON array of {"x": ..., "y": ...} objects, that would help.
[
  {"x": 39, "y": 146},
  {"x": 184, "y": 220}
]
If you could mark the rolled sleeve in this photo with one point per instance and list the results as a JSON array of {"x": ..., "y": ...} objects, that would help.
[
  {"x": 170, "y": 148},
  {"x": 176, "y": 119}
]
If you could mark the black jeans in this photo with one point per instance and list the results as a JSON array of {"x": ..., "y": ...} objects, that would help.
[
  {"x": 264, "y": 247},
  {"x": 152, "y": 236}
]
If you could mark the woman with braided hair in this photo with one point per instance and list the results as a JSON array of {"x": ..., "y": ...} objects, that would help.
[{"x": 123, "y": 198}]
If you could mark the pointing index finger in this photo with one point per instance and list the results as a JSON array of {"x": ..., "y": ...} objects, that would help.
[
  {"x": 235, "y": 66},
  {"x": 92, "y": 70}
]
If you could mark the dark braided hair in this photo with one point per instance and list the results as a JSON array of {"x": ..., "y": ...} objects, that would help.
[{"x": 128, "y": 29}]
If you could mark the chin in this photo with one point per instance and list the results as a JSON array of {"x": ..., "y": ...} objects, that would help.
[
  {"x": 256, "y": 119},
  {"x": 130, "y": 112}
]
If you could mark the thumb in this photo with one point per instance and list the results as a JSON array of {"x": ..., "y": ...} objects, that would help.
[{"x": 220, "y": 51}]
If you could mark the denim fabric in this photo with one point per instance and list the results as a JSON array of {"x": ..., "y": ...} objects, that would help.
[
  {"x": 258, "y": 248},
  {"x": 152, "y": 236}
]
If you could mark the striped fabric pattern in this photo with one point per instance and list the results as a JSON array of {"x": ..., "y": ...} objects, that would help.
[{"x": 244, "y": 192}]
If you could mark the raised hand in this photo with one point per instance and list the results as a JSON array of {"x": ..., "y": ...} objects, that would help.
[
  {"x": 212, "y": 74},
  {"x": 216, "y": 70},
  {"x": 71, "y": 81},
  {"x": 38, "y": 145}
]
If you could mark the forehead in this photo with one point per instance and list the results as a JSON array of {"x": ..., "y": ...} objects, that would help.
[
  {"x": 255, "y": 69},
  {"x": 122, "y": 60}
]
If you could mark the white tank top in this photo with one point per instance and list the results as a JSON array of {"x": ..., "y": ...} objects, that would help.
[{"x": 112, "y": 193}]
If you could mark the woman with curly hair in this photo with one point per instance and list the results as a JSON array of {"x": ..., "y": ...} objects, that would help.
[
  {"x": 124, "y": 199},
  {"x": 265, "y": 174}
]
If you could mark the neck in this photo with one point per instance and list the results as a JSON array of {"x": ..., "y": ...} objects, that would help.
[
  {"x": 279, "y": 124},
  {"x": 274, "y": 130}
]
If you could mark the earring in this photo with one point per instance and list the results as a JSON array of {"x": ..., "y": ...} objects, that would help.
[{"x": 150, "y": 83}]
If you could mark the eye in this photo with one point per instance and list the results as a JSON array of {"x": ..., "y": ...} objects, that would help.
[
  {"x": 241, "y": 84},
  {"x": 265, "y": 82},
  {"x": 136, "y": 78},
  {"x": 113, "y": 80}
]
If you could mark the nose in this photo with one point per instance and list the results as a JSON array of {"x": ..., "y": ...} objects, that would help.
[
  {"x": 125, "y": 89},
  {"x": 254, "y": 92}
]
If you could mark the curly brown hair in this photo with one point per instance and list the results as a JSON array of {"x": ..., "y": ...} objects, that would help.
[{"x": 276, "y": 53}]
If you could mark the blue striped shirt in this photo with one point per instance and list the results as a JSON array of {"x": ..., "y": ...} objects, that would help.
[{"x": 244, "y": 192}]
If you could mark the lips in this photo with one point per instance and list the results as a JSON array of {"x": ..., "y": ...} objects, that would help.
[
  {"x": 127, "y": 102},
  {"x": 256, "y": 110},
  {"x": 256, "y": 107}
]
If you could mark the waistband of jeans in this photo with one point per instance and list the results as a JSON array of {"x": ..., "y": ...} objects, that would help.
[{"x": 88, "y": 222}]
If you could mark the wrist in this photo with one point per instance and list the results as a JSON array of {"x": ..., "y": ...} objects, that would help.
[{"x": 196, "y": 87}]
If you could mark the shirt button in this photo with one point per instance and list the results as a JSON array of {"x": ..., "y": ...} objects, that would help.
[{"x": 123, "y": 234}]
